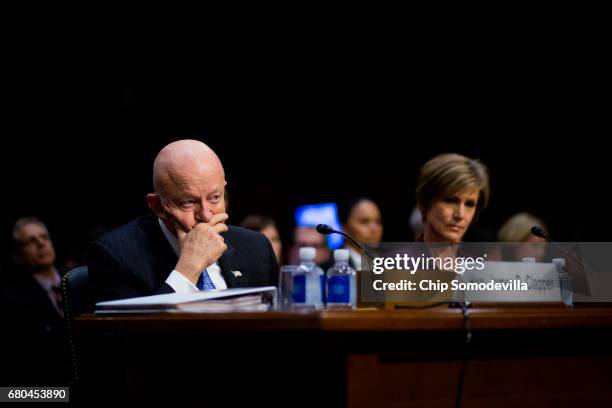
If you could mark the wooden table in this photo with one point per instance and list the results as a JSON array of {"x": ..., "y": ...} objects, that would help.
[{"x": 533, "y": 355}]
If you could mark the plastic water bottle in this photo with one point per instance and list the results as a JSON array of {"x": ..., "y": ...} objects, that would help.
[
  {"x": 308, "y": 281},
  {"x": 341, "y": 283},
  {"x": 565, "y": 285}
]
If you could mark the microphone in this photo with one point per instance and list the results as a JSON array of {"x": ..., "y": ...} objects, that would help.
[
  {"x": 325, "y": 229},
  {"x": 539, "y": 232}
]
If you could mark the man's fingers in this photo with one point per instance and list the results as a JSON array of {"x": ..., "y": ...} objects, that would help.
[
  {"x": 217, "y": 219},
  {"x": 180, "y": 230},
  {"x": 219, "y": 228}
]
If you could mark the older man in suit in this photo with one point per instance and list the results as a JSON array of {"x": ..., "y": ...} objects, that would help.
[
  {"x": 186, "y": 246},
  {"x": 31, "y": 310}
]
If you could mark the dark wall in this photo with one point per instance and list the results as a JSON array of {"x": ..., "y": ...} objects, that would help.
[{"x": 78, "y": 151}]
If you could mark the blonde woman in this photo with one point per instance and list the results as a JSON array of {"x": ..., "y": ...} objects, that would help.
[
  {"x": 451, "y": 191},
  {"x": 518, "y": 229}
]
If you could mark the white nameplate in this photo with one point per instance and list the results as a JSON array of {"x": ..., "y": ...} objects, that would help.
[{"x": 541, "y": 279}]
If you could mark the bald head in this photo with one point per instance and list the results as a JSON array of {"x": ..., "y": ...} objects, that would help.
[
  {"x": 185, "y": 161},
  {"x": 189, "y": 185}
]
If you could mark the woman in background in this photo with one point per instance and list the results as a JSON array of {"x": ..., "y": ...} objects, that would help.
[
  {"x": 266, "y": 225},
  {"x": 517, "y": 229},
  {"x": 361, "y": 219}
]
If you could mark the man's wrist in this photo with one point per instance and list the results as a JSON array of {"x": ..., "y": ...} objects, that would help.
[
  {"x": 188, "y": 271},
  {"x": 179, "y": 283}
]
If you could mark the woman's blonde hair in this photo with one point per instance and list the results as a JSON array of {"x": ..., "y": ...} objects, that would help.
[
  {"x": 518, "y": 227},
  {"x": 449, "y": 173}
]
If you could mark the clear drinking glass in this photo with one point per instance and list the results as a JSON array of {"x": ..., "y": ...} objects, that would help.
[{"x": 285, "y": 286}]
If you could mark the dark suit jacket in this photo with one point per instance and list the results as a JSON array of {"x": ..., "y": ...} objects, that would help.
[
  {"x": 135, "y": 260},
  {"x": 35, "y": 346}
]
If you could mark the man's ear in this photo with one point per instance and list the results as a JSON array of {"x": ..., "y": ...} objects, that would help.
[{"x": 154, "y": 203}]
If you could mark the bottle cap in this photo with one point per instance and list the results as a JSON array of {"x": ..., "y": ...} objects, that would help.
[
  {"x": 307, "y": 254},
  {"x": 341, "y": 255}
]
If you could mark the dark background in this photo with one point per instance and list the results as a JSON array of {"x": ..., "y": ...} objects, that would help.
[{"x": 80, "y": 138}]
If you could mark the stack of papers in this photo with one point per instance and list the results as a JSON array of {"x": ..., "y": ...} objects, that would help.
[{"x": 227, "y": 300}]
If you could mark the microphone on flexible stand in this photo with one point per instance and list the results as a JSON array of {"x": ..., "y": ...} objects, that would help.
[
  {"x": 327, "y": 230},
  {"x": 539, "y": 232}
]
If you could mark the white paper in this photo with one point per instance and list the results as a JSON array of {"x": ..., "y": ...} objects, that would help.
[{"x": 175, "y": 299}]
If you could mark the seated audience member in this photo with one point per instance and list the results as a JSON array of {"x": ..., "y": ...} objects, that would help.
[
  {"x": 309, "y": 237},
  {"x": 31, "y": 303},
  {"x": 186, "y": 245},
  {"x": 517, "y": 229},
  {"x": 267, "y": 226},
  {"x": 361, "y": 219}
]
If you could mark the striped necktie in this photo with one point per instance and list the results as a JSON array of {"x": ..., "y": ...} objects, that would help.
[{"x": 204, "y": 281}]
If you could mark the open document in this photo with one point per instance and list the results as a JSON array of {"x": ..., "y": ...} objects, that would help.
[{"x": 227, "y": 300}]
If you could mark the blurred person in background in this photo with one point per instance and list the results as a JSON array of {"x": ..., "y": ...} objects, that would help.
[
  {"x": 266, "y": 225},
  {"x": 517, "y": 229},
  {"x": 31, "y": 302},
  {"x": 360, "y": 218},
  {"x": 309, "y": 237}
]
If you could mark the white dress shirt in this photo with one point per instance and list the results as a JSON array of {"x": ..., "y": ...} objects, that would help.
[{"x": 177, "y": 280}]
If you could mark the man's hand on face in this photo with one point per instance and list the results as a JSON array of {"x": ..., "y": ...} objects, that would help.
[{"x": 201, "y": 246}]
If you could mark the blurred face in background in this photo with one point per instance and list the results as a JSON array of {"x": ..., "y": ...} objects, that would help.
[
  {"x": 449, "y": 217},
  {"x": 364, "y": 223},
  {"x": 309, "y": 237},
  {"x": 35, "y": 247},
  {"x": 272, "y": 234},
  {"x": 534, "y": 247}
]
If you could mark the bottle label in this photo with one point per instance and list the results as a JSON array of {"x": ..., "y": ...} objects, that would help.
[
  {"x": 339, "y": 289},
  {"x": 299, "y": 288}
]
